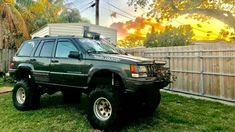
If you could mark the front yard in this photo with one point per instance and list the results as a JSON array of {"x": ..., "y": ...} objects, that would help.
[{"x": 176, "y": 113}]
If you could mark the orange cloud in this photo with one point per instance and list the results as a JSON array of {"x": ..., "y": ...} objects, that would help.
[{"x": 139, "y": 27}]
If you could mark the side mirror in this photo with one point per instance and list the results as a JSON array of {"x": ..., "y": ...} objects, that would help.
[{"x": 75, "y": 54}]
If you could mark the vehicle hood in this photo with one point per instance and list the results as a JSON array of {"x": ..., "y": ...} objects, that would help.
[{"x": 126, "y": 59}]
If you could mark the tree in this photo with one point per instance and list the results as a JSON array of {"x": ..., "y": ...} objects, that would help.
[
  {"x": 171, "y": 36},
  {"x": 131, "y": 41},
  {"x": 12, "y": 24},
  {"x": 14, "y": 14},
  {"x": 40, "y": 12},
  {"x": 223, "y": 10},
  {"x": 71, "y": 16}
]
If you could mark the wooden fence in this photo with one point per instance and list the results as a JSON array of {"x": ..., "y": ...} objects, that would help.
[
  {"x": 205, "y": 70},
  {"x": 5, "y": 58}
]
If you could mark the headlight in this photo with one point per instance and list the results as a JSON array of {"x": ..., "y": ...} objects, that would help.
[
  {"x": 142, "y": 69},
  {"x": 138, "y": 71}
]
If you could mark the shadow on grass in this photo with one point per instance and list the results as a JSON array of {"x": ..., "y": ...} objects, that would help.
[
  {"x": 135, "y": 117},
  {"x": 129, "y": 117},
  {"x": 56, "y": 101}
]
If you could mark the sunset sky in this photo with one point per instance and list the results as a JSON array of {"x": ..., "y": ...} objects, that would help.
[{"x": 127, "y": 20}]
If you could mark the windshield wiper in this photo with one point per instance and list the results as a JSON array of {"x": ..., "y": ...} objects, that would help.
[
  {"x": 112, "y": 52},
  {"x": 89, "y": 51}
]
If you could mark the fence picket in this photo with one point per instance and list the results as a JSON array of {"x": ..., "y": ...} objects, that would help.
[{"x": 5, "y": 58}]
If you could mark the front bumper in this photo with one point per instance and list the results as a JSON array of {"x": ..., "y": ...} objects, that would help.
[{"x": 134, "y": 85}]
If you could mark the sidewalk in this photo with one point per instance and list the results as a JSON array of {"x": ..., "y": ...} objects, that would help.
[{"x": 5, "y": 90}]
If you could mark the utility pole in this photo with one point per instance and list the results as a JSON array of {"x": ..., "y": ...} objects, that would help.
[{"x": 97, "y": 12}]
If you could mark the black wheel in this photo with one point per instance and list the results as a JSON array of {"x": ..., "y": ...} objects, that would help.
[
  {"x": 103, "y": 108},
  {"x": 71, "y": 95},
  {"x": 151, "y": 102},
  {"x": 24, "y": 96}
]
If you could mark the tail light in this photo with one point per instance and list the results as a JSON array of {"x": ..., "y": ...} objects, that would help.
[{"x": 12, "y": 63}]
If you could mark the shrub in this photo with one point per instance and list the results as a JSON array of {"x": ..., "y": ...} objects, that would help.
[{"x": 171, "y": 36}]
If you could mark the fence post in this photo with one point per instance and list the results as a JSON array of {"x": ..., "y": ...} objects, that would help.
[
  {"x": 1, "y": 61},
  {"x": 169, "y": 64},
  {"x": 201, "y": 73}
]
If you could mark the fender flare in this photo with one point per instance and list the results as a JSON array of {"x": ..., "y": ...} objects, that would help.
[
  {"x": 24, "y": 66},
  {"x": 93, "y": 71}
]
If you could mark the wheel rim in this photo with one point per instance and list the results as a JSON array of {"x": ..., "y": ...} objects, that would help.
[
  {"x": 102, "y": 109},
  {"x": 20, "y": 95}
]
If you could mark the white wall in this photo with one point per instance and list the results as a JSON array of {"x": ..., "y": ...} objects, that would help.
[
  {"x": 41, "y": 32},
  {"x": 75, "y": 29}
]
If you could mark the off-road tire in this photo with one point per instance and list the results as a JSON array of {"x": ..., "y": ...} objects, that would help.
[
  {"x": 71, "y": 96},
  {"x": 113, "y": 99},
  {"x": 31, "y": 98}
]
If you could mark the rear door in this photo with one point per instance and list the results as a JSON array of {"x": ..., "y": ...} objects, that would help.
[
  {"x": 65, "y": 70},
  {"x": 41, "y": 61}
]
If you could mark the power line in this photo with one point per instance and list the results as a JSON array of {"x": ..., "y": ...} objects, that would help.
[
  {"x": 120, "y": 9},
  {"x": 84, "y": 3},
  {"x": 118, "y": 13},
  {"x": 110, "y": 12},
  {"x": 92, "y": 5},
  {"x": 69, "y": 3}
]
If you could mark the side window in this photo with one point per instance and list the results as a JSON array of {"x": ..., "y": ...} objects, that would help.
[
  {"x": 47, "y": 48},
  {"x": 38, "y": 49},
  {"x": 63, "y": 49},
  {"x": 27, "y": 48}
]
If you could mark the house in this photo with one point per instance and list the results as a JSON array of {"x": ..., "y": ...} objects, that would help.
[{"x": 77, "y": 29}]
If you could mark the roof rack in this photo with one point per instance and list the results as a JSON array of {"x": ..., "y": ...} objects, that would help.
[
  {"x": 35, "y": 37},
  {"x": 47, "y": 36},
  {"x": 66, "y": 35},
  {"x": 59, "y": 36}
]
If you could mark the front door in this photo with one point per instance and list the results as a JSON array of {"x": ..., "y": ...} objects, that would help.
[{"x": 65, "y": 70}]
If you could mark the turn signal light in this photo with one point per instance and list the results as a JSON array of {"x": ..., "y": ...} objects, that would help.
[{"x": 133, "y": 69}]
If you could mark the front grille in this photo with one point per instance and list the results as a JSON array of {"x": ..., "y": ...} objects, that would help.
[
  {"x": 157, "y": 71},
  {"x": 151, "y": 70}
]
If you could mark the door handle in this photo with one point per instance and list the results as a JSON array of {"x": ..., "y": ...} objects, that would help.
[
  {"x": 32, "y": 59},
  {"x": 54, "y": 61}
]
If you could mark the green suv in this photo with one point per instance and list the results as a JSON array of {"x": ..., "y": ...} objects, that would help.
[{"x": 74, "y": 65}]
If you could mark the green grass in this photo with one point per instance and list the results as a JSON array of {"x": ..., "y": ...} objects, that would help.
[
  {"x": 176, "y": 113},
  {"x": 5, "y": 82}
]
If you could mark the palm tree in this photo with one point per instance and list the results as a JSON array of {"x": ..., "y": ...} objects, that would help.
[{"x": 12, "y": 25}]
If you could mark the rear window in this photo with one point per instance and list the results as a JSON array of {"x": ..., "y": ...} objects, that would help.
[{"x": 27, "y": 48}]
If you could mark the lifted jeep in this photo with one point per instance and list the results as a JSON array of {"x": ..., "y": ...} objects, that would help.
[{"x": 76, "y": 65}]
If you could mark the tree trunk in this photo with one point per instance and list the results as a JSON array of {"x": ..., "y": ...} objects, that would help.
[{"x": 1, "y": 34}]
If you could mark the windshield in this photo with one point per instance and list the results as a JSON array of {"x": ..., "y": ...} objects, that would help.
[
  {"x": 120, "y": 51},
  {"x": 94, "y": 46}
]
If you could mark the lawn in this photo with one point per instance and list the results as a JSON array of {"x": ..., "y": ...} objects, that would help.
[
  {"x": 5, "y": 82},
  {"x": 176, "y": 113}
]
